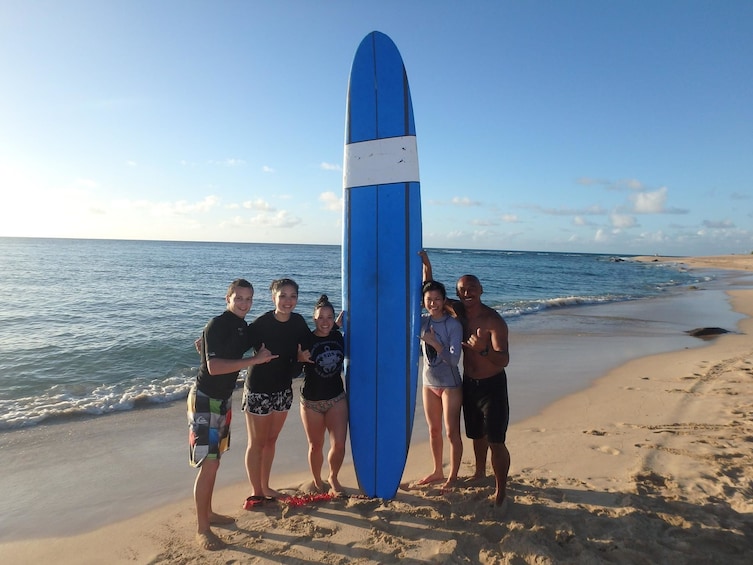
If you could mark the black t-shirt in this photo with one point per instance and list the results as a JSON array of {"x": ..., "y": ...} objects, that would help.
[
  {"x": 224, "y": 337},
  {"x": 323, "y": 377},
  {"x": 282, "y": 339}
]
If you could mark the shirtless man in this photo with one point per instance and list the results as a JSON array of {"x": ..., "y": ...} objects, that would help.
[{"x": 486, "y": 408}]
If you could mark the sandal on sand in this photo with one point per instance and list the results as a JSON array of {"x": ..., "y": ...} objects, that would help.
[
  {"x": 253, "y": 501},
  {"x": 208, "y": 540}
]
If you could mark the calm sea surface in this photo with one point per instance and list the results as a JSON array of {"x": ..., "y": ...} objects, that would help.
[{"x": 96, "y": 326}]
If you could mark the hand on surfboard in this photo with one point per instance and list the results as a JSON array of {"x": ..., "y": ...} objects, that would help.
[
  {"x": 479, "y": 341},
  {"x": 304, "y": 356}
]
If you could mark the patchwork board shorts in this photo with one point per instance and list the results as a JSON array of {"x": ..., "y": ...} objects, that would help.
[{"x": 208, "y": 426}]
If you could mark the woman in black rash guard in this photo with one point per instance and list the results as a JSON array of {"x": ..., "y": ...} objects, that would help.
[
  {"x": 324, "y": 407},
  {"x": 268, "y": 394}
]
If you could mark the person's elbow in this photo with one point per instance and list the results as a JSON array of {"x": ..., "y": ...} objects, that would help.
[
  {"x": 214, "y": 366},
  {"x": 504, "y": 358}
]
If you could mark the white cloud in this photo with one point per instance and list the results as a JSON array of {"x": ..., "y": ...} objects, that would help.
[
  {"x": 649, "y": 202},
  {"x": 510, "y": 218},
  {"x": 622, "y": 184},
  {"x": 331, "y": 201},
  {"x": 229, "y": 162},
  {"x": 484, "y": 222},
  {"x": 588, "y": 181},
  {"x": 601, "y": 236},
  {"x": 655, "y": 237},
  {"x": 258, "y": 204},
  {"x": 330, "y": 167},
  {"x": 456, "y": 234},
  {"x": 622, "y": 221},
  {"x": 86, "y": 183},
  {"x": 632, "y": 184},
  {"x": 464, "y": 201},
  {"x": 280, "y": 219},
  {"x": 131, "y": 163},
  {"x": 594, "y": 210},
  {"x": 581, "y": 221},
  {"x": 166, "y": 209},
  {"x": 721, "y": 224},
  {"x": 484, "y": 235},
  {"x": 267, "y": 169}
]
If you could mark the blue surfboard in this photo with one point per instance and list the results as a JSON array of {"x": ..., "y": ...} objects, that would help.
[{"x": 381, "y": 265}]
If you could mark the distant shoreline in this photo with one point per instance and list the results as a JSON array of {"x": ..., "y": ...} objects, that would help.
[{"x": 724, "y": 262}]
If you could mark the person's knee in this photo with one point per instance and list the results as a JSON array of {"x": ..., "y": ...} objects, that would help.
[
  {"x": 435, "y": 432},
  {"x": 209, "y": 467},
  {"x": 453, "y": 435},
  {"x": 499, "y": 450},
  {"x": 316, "y": 445},
  {"x": 338, "y": 449}
]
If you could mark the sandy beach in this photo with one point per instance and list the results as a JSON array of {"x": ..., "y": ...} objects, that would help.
[{"x": 651, "y": 463}]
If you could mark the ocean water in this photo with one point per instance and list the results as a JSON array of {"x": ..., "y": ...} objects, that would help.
[{"x": 89, "y": 327}]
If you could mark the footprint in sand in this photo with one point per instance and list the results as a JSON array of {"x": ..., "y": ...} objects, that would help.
[{"x": 608, "y": 450}]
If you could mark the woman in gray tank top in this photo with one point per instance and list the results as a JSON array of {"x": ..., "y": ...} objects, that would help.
[{"x": 441, "y": 337}]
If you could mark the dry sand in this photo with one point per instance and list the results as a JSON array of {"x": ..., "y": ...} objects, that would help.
[{"x": 651, "y": 464}]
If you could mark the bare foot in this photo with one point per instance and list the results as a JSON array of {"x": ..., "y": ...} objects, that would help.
[
  {"x": 476, "y": 477},
  {"x": 334, "y": 486},
  {"x": 209, "y": 541},
  {"x": 449, "y": 484},
  {"x": 500, "y": 508},
  {"x": 272, "y": 493},
  {"x": 220, "y": 519},
  {"x": 499, "y": 498},
  {"x": 431, "y": 479},
  {"x": 314, "y": 487}
]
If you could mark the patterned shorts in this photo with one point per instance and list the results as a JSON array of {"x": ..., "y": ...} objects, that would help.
[
  {"x": 208, "y": 426},
  {"x": 263, "y": 403},
  {"x": 322, "y": 406}
]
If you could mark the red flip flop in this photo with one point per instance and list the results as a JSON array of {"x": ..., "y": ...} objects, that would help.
[{"x": 253, "y": 501}]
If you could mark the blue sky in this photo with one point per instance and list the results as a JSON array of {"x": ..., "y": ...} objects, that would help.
[{"x": 587, "y": 126}]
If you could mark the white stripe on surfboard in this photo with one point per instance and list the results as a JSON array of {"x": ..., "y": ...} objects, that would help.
[{"x": 381, "y": 161}]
